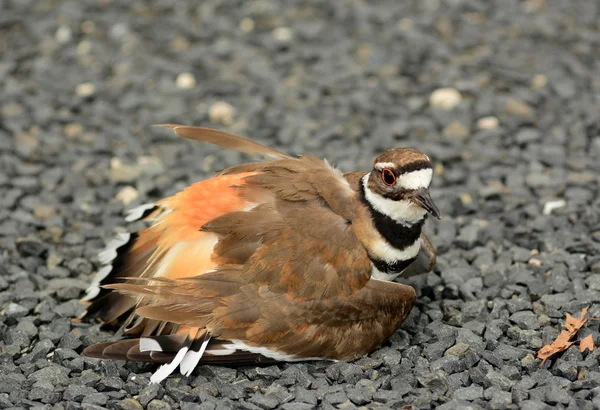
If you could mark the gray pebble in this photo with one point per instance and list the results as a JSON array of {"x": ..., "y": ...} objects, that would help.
[
  {"x": 14, "y": 310},
  {"x": 470, "y": 393},
  {"x": 78, "y": 393}
]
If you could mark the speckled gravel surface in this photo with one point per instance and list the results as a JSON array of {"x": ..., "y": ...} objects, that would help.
[{"x": 504, "y": 96}]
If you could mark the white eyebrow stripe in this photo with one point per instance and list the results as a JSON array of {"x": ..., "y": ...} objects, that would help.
[
  {"x": 381, "y": 165},
  {"x": 416, "y": 179}
]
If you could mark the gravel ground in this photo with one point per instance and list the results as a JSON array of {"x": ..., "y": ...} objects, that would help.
[{"x": 503, "y": 96}]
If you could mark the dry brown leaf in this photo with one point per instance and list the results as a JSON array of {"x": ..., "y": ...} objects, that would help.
[
  {"x": 587, "y": 343},
  {"x": 562, "y": 342}
]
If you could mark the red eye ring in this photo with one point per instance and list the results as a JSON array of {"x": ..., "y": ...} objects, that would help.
[{"x": 388, "y": 177}]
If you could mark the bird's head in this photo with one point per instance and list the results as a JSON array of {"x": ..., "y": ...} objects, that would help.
[{"x": 398, "y": 185}]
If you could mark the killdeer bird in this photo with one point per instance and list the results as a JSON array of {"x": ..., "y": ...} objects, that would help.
[{"x": 281, "y": 260}]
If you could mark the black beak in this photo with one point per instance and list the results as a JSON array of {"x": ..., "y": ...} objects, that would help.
[{"x": 423, "y": 198}]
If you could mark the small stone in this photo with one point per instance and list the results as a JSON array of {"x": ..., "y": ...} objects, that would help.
[
  {"x": 465, "y": 198},
  {"x": 556, "y": 396},
  {"x": 247, "y": 25},
  {"x": 40, "y": 350},
  {"x": 12, "y": 110},
  {"x": 306, "y": 396},
  {"x": 30, "y": 247},
  {"x": 386, "y": 396},
  {"x": 63, "y": 34},
  {"x": 120, "y": 172},
  {"x": 221, "y": 113},
  {"x": 44, "y": 212},
  {"x": 500, "y": 399},
  {"x": 158, "y": 405},
  {"x": 488, "y": 123},
  {"x": 112, "y": 383},
  {"x": 456, "y": 130},
  {"x": 283, "y": 34},
  {"x": 358, "y": 396},
  {"x": 149, "y": 393},
  {"x": 495, "y": 379},
  {"x": 52, "y": 374},
  {"x": 185, "y": 81},
  {"x": 405, "y": 24},
  {"x": 129, "y": 404},
  {"x": 552, "y": 205},
  {"x": 127, "y": 195},
  {"x": 437, "y": 382},
  {"x": 586, "y": 380},
  {"x": 470, "y": 393},
  {"x": 77, "y": 393},
  {"x": 84, "y": 47},
  {"x": 150, "y": 165},
  {"x": 458, "y": 404},
  {"x": 85, "y": 90},
  {"x": 297, "y": 406},
  {"x": 336, "y": 397},
  {"x": 527, "y": 136},
  {"x": 445, "y": 98},
  {"x": 264, "y": 401},
  {"x": 539, "y": 81},
  {"x": 73, "y": 130},
  {"x": 458, "y": 349},
  {"x": 14, "y": 310},
  {"x": 97, "y": 399},
  {"x": 518, "y": 108},
  {"x": 525, "y": 320}
]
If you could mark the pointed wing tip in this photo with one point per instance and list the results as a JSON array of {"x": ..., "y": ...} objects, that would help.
[
  {"x": 169, "y": 126},
  {"x": 224, "y": 139},
  {"x": 94, "y": 351}
]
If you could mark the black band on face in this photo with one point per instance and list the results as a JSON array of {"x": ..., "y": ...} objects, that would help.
[
  {"x": 396, "y": 234},
  {"x": 413, "y": 166}
]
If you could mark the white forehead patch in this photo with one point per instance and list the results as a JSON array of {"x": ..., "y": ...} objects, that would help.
[
  {"x": 381, "y": 165},
  {"x": 416, "y": 179}
]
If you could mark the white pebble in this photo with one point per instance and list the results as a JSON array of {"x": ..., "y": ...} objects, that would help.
[
  {"x": 127, "y": 195},
  {"x": 85, "y": 89},
  {"x": 445, "y": 98},
  {"x": 63, "y": 34},
  {"x": 221, "y": 112},
  {"x": 539, "y": 81},
  {"x": 488, "y": 123},
  {"x": 119, "y": 31},
  {"x": 247, "y": 25},
  {"x": 88, "y": 27},
  {"x": 405, "y": 24},
  {"x": 283, "y": 34},
  {"x": 185, "y": 81},
  {"x": 552, "y": 205},
  {"x": 84, "y": 47}
]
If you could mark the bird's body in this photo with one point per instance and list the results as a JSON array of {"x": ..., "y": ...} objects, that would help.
[{"x": 285, "y": 259}]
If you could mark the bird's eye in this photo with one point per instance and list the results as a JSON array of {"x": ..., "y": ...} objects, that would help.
[{"x": 388, "y": 177}]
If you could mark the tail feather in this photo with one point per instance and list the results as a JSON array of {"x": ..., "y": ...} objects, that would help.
[
  {"x": 197, "y": 350},
  {"x": 118, "y": 350}
]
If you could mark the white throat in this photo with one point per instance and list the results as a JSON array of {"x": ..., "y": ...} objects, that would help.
[{"x": 403, "y": 211}]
